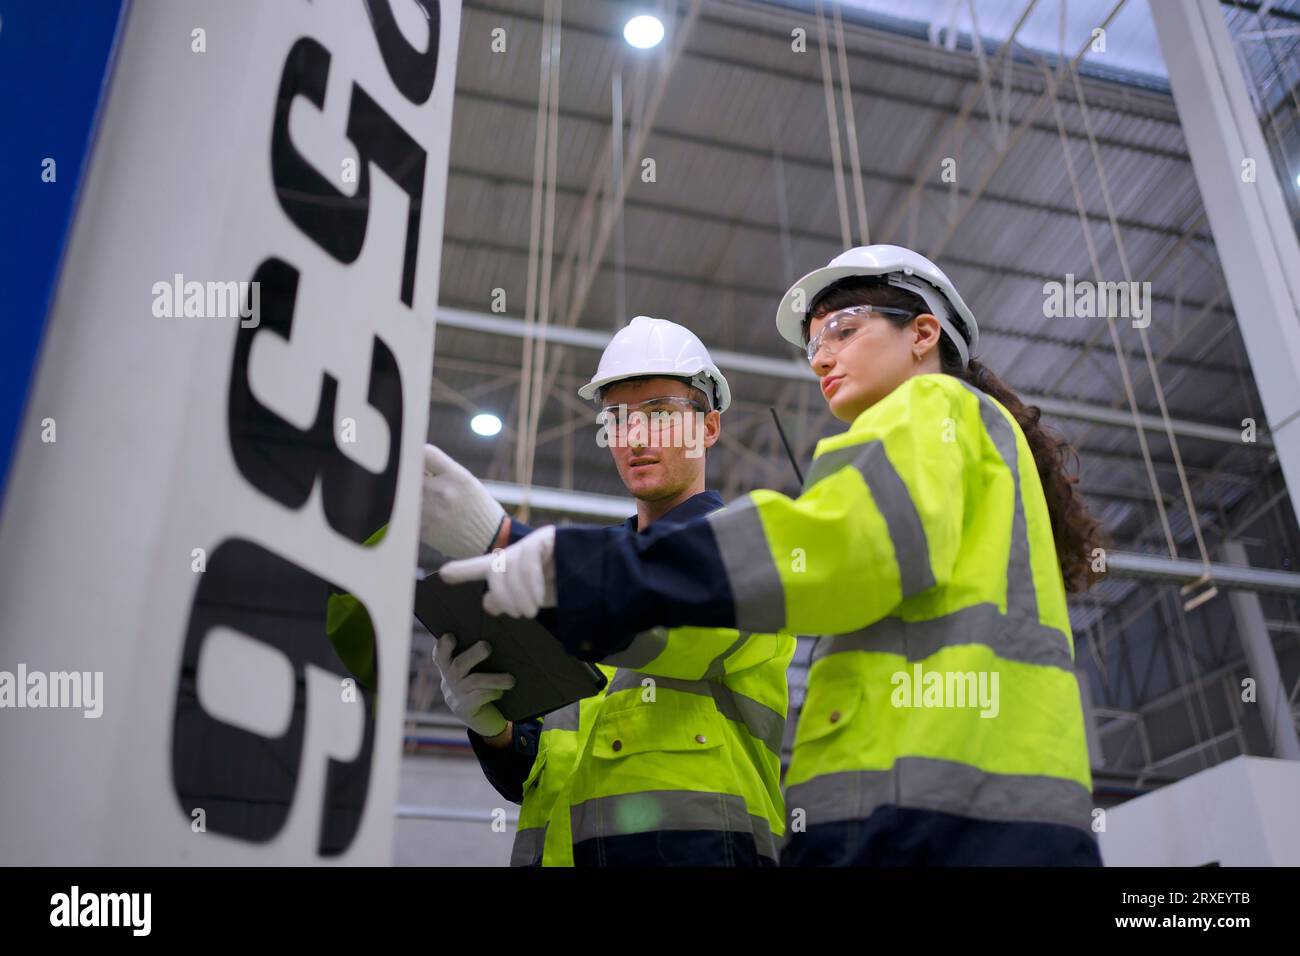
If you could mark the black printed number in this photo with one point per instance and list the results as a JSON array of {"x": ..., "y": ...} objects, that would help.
[
  {"x": 332, "y": 219},
  {"x": 282, "y": 460}
]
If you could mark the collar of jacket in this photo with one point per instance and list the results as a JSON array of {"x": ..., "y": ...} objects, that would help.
[{"x": 693, "y": 507}]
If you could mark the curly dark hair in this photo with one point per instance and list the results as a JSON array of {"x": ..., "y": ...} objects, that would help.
[{"x": 1076, "y": 531}]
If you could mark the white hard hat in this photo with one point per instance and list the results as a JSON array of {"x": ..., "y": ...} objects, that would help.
[
  {"x": 900, "y": 267},
  {"x": 657, "y": 347}
]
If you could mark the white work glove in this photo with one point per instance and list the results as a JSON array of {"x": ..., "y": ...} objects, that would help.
[
  {"x": 520, "y": 578},
  {"x": 470, "y": 696},
  {"x": 458, "y": 516}
]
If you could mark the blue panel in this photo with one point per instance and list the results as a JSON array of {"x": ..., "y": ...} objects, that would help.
[{"x": 54, "y": 60}]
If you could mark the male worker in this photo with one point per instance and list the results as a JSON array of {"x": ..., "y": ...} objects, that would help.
[{"x": 677, "y": 761}]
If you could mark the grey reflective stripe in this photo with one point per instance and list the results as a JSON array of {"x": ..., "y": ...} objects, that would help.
[
  {"x": 944, "y": 785},
  {"x": 648, "y": 645},
  {"x": 756, "y": 586},
  {"x": 653, "y": 810},
  {"x": 1011, "y": 638},
  {"x": 528, "y": 847},
  {"x": 1018, "y": 635},
  {"x": 825, "y": 465},
  {"x": 1022, "y": 599},
  {"x": 718, "y": 666},
  {"x": 625, "y": 679},
  {"x": 911, "y": 549},
  {"x": 566, "y": 718},
  {"x": 644, "y": 648},
  {"x": 762, "y": 722}
]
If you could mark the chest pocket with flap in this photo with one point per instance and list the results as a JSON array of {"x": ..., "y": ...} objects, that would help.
[
  {"x": 680, "y": 723},
  {"x": 828, "y": 709}
]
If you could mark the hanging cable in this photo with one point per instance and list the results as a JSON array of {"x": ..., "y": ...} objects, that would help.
[
  {"x": 1186, "y": 679},
  {"x": 1120, "y": 357},
  {"x": 534, "y": 251},
  {"x": 575, "y": 278},
  {"x": 783, "y": 211},
  {"x": 828, "y": 86},
  {"x": 547, "y": 95},
  {"x": 851, "y": 127},
  {"x": 616, "y": 176},
  {"x": 1180, "y": 615},
  {"x": 548, "y": 243},
  {"x": 1156, "y": 384},
  {"x": 1000, "y": 131}
]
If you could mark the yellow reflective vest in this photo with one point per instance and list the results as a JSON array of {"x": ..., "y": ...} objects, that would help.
[
  {"x": 946, "y": 682},
  {"x": 684, "y": 739},
  {"x": 682, "y": 761},
  {"x": 922, "y": 548},
  {"x": 543, "y": 835},
  {"x": 677, "y": 761}
]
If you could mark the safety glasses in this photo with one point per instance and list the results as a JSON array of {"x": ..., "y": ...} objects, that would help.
[
  {"x": 843, "y": 324},
  {"x": 656, "y": 410}
]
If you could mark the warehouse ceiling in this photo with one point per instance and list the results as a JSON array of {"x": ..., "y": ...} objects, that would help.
[{"x": 744, "y": 201}]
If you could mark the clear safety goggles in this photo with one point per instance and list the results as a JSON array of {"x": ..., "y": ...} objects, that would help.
[
  {"x": 656, "y": 410},
  {"x": 843, "y": 324}
]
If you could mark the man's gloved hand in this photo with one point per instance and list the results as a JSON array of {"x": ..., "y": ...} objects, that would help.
[
  {"x": 520, "y": 578},
  {"x": 470, "y": 696},
  {"x": 458, "y": 516}
]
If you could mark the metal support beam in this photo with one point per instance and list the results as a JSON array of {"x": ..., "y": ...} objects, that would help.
[
  {"x": 1253, "y": 233},
  {"x": 1275, "y": 707},
  {"x": 407, "y": 811},
  {"x": 582, "y": 504},
  {"x": 1151, "y": 567},
  {"x": 1121, "y": 564},
  {"x": 766, "y": 295},
  {"x": 793, "y": 369}
]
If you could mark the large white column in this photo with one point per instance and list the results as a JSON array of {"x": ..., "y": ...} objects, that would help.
[
  {"x": 1248, "y": 215},
  {"x": 1279, "y": 721},
  {"x": 197, "y": 477}
]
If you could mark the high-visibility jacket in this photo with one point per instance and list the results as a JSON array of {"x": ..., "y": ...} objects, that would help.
[
  {"x": 682, "y": 762},
  {"x": 922, "y": 546},
  {"x": 676, "y": 761},
  {"x": 543, "y": 833}
]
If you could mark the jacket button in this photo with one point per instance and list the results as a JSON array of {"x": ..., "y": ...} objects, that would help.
[
  {"x": 701, "y": 739},
  {"x": 835, "y": 716},
  {"x": 617, "y": 745}
]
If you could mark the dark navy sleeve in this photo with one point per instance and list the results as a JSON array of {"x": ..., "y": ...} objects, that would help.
[
  {"x": 611, "y": 586},
  {"x": 507, "y": 768}
]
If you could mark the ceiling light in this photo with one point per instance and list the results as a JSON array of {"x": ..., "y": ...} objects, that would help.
[
  {"x": 644, "y": 32},
  {"x": 485, "y": 424}
]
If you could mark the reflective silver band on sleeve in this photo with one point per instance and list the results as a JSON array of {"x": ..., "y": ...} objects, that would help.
[
  {"x": 894, "y": 501},
  {"x": 756, "y": 586},
  {"x": 1018, "y": 639},
  {"x": 528, "y": 847}
]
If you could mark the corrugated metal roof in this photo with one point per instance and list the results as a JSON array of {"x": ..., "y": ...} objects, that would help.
[{"x": 744, "y": 201}]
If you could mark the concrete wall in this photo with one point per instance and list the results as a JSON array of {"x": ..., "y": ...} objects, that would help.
[
  {"x": 450, "y": 781},
  {"x": 1245, "y": 812}
]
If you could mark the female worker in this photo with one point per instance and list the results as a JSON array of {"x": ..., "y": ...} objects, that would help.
[{"x": 932, "y": 546}]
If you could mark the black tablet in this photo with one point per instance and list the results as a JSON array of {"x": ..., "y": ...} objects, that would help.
[{"x": 546, "y": 677}]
